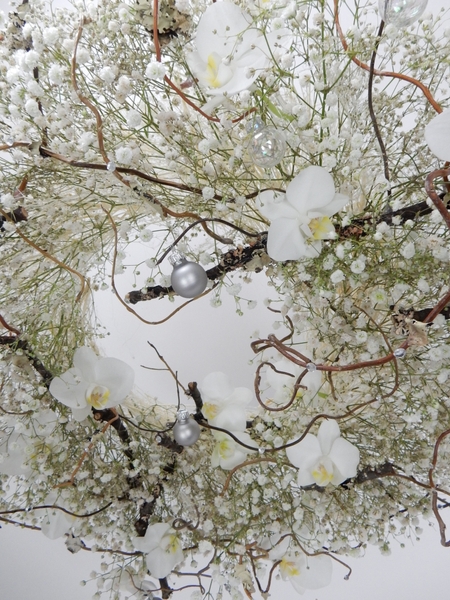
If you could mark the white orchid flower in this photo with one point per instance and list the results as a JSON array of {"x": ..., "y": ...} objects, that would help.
[
  {"x": 229, "y": 52},
  {"x": 300, "y": 218},
  {"x": 56, "y": 522},
  {"x": 93, "y": 382},
  {"x": 25, "y": 449},
  {"x": 325, "y": 458},
  {"x": 306, "y": 572},
  {"x": 224, "y": 406},
  {"x": 437, "y": 135},
  {"x": 228, "y": 453},
  {"x": 162, "y": 548}
]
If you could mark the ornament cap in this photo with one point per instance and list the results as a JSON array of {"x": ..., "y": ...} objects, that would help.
[{"x": 176, "y": 258}]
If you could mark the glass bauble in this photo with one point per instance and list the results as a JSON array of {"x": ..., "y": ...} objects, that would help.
[
  {"x": 401, "y": 13},
  {"x": 186, "y": 431},
  {"x": 188, "y": 278},
  {"x": 267, "y": 147}
]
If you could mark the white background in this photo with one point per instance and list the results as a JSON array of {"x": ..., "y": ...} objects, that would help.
[{"x": 196, "y": 342}]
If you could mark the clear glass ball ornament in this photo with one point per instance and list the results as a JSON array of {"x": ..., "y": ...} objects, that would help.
[
  {"x": 399, "y": 353},
  {"x": 188, "y": 278},
  {"x": 186, "y": 431},
  {"x": 267, "y": 145},
  {"x": 401, "y": 13}
]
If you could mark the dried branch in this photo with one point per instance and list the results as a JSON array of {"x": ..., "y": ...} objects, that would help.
[
  {"x": 84, "y": 281},
  {"x": 23, "y": 345},
  {"x": 230, "y": 261},
  {"x": 297, "y": 386},
  {"x": 407, "y": 78}
]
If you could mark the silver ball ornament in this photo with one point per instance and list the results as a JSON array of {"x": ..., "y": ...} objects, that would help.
[
  {"x": 401, "y": 13},
  {"x": 188, "y": 278},
  {"x": 186, "y": 431}
]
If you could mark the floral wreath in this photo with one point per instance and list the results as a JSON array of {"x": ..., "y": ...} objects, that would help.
[{"x": 247, "y": 138}]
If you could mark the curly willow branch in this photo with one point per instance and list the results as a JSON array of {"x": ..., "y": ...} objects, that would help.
[
  {"x": 297, "y": 385},
  {"x": 9, "y": 327},
  {"x": 84, "y": 281},
  {"x": 407, "y": 78},
  {"x": 84, "y": 455},
  {"x": 434, "y": 493},
  {"x": 171, "y": 84},
  {"x": 88, "y": 103},
  {"x": 113, "y": 284},
  {"x": 55, "y": 506}
]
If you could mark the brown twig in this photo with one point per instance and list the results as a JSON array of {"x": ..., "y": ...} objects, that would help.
[
  {"x": 295, "y": 389},
  {"x": 89, "y": 104},
  {"x": 232, "y": 260},
  {"x": 434, "y": 493},
  {"x": 55, "y": 506},
  {"x": 83, "y": 457},
  {"x": 169, "y": 368},
  {"x": 9, "y": 327},
  {"x": 84, "y": 282},
  {"x": 129, "y": 309},
  {"x": 253, "y": 461},
  {"x": 362, "y": 65}
]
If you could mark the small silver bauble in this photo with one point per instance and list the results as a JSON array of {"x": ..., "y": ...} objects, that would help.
[
  {"x": 188, "y": 278},
  {"x": 267, "y": 145},
  {"x": 186, "y": 431},
  {"x": 401, "y": 13}
]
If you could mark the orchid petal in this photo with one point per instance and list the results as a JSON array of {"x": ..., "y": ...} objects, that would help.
[
  {"x": 231, "y": 418},
  {"x": 305, "y": 477},
  {"x": 298, "y": 587},
  {"x": 68, "y": 390},
  {"x": 308, "y": 450},
  {"x": 218, "y": 28},
  {"x": 241, "y": 396},
  {"x": 117, "y": 376},
  {"x": 437, "y": 135},
  {"x": 328, "y": 432},
  {"x": 311, "y": 189},
  {"x": 274, "y": 205},
  {"x": 154, "y": 535},
  {"x": 231, "y": 462},
  {"x": 56, "y": 523},
  {"x": 336, "y": 205},
  {"x": 84, "y": 359},
  {"x": 317, "y": 573},
  {"x": 80, "y": 414},
  {"x": 277, "y": 550},
  {"x": 346, "y": 457},
  {"x": 215, "y": 386},
  {"x": 239, "y": 82},
  {"x": 285, "y": 241},
  {"x": 161, "y": 563}
]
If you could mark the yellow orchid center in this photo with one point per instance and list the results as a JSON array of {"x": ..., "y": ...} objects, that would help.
[
  {"x": 40, "y": 449},
  {"x": 321, "y": 227},
  {"x": 289, "y": 568},
  {"x": 212, "y": 70},
  {"x": 322, "y": 473},
  {"x": 225, "y": 448},
  {"x": 172, "y": 544},
  {"x": 210, "y": 410},
  {"x": 97, "y": 396}
]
